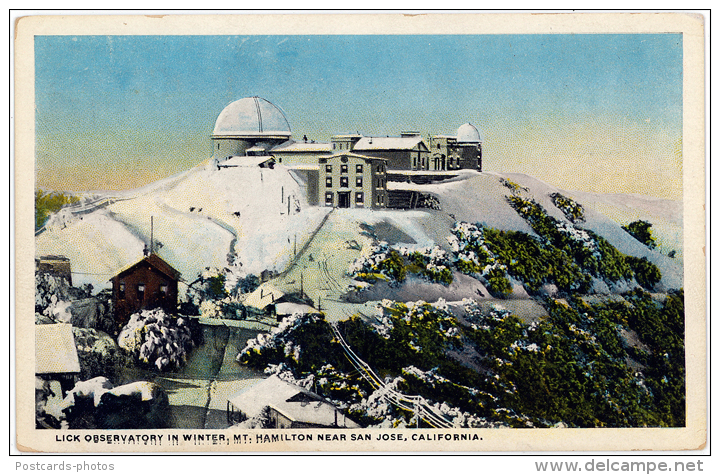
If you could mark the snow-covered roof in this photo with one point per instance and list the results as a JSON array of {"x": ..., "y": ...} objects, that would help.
[
  {"x": 388, "y": 143},
  {"x": 251, "y": 117},
  {"x": 468, "y": 133},
  {"x": 256, "y": 148},
  {"x": 55, "y": 350},
  {"x": 246, "y": 161},
  {"x": 263, "y": 296},
  {"x": 292, "y": 146},
  {"x": 354, "y": 155},
  {"x": 292, "y": 401},
  {"x": 289, "y": 308}
]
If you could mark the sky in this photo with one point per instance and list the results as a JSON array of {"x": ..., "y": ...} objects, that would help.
[{"x": 588, "y": 112}]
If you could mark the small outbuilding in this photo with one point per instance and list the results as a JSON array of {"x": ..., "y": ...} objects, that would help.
[
  {"x": 56, "y": 356},
  {"x": 149, "y": 283},
  {"x": 290, "y": 406},
  {"x": 55, "y": 265}
]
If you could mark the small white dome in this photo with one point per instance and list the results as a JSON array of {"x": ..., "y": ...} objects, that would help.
[
  {"x": 252, "y": 117},
  {"x": 468, "y": 133}
]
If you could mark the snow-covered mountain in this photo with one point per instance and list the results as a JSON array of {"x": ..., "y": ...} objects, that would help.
[{"x": 256, "y": 218}]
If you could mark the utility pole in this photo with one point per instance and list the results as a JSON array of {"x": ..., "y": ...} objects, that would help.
[{"x": 152, "y": 244}]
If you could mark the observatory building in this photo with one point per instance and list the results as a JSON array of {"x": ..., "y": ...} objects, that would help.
[
  {"x": 350, "y": 171},
  {"x": 250, "y": 126}
]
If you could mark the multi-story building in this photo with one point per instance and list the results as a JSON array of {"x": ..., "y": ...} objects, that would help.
[{"x": 350, "y": 180}]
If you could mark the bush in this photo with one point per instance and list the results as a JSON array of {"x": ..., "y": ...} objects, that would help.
[
  {"x": 573, "y": 211},
  {"x": 646, "y": 273},
  {"x": 641, "y": 231},
  {"x": 157, "y": 339}
]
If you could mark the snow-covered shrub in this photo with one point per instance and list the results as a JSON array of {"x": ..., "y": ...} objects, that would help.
[
  {"x": 417, "y": 331},
  {"x": 98, "y": 352},
  {"x": 472, "y": 256},
  {"x": 514, "y": 187},
  {"x": 383, "y": 262},
  {"x": 376, "y": 411},
  {"x": 432, "y": 263},
  {"x": 52, "y": 293},
  {"x": 97, "y": 404},
  {"x": 379, "y": 262},
  {"x": 215, "y": 294},
  {"x": 572, "y": 210},
  {"x": 281, "y": 344},
  {"x": 157, "y": 339}
]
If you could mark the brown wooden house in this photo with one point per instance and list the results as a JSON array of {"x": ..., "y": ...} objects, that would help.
[{"x": 148, "y": 284}]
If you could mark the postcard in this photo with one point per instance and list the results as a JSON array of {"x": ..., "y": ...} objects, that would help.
[{"x": 360, "y": 232}]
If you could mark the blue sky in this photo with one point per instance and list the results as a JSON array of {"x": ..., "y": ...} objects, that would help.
[{"x": 593, "y": 112}]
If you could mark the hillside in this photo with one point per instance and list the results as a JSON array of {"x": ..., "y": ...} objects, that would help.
[
  {"x": 202, "y": 218},
  {"x": 218, "y": 218},
  {"x": 512, "y": 294}
]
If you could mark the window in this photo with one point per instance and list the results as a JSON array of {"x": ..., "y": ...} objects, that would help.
[
  {"x": 343, "y": 182},
  {"x": 328, "y": 198},
  {"x": 141, "y": 292},
  {"x": 358, "y": 168},
  {"x": 343, "y": 168},
  {"x": 121, "y": 291},
  {"x": 359, "y": 198},
  {"x": 328, "y": 168},
  {"x": 359, "y": 181},
  {"x": 164, "y": 289},
  {"x": 334, "y": 144},
  {"x": 328, "y": 182}
]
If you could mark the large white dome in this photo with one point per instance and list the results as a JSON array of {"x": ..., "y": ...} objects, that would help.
[
  {"x": 468, "y": 133},
  {"x": 252, "y": 117}
]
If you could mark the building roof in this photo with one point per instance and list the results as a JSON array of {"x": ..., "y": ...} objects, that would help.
[
  {"x": 389, "y": 143},
  {"x": 354, "y": 155},
  {"x": 55, "y": 350},
  {"x": 292, "y": 401},
  {"x": 155, "y": 262},
  {"x": 252, "y": 117},
  {"x": 257, "y": 148},
  {"x": 263, "y": 296},
  {"x": 246, "y": 161},
  {"x": 290, "y": 308},
  {"x": 291, "y": 146},
  {"x": 468, "y": 133}
]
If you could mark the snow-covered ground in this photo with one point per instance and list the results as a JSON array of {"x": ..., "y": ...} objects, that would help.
[
  {"x": 259, "y": 217},
  {"x": 481, "y": 198},
  {"x": 201, "y": 218}
]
